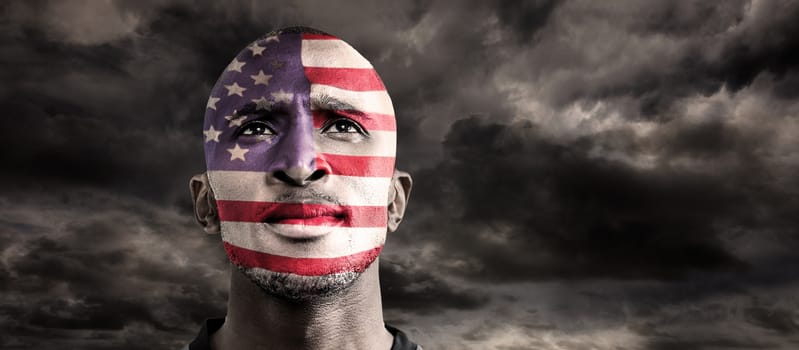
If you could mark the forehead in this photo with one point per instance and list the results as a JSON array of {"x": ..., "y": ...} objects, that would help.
[{"x": 319, "y": 70}]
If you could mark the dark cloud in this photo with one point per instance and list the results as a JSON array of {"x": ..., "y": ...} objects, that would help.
[
  {"x": 767, "y": 45},
  {"x": 687, "y": 18},
  {"x": 660, "y": 53},
  {"x": 97, "y": 274},
  {"x": 422, "y": 292},
  {"x": 719, "y": 343},
  {"x": 569, "y": 214},
  {"x": 524, "y": 18},
  {"x": 776, "y": 319}
]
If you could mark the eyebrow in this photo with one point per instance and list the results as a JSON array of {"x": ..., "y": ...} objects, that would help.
[
  {"x": 247, "y": 108},
  {"x": 325, "y": 101},
  {"x": 319, "y": 101}
]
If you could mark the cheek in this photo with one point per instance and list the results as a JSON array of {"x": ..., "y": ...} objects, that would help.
[
  {"x": 360, "y": 176},
  {"x": 366, "y": 197},
  {"x": 374, "y": 159}
]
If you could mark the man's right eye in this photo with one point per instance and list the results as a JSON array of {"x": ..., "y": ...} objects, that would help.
[{"x": 256, "y": 128}]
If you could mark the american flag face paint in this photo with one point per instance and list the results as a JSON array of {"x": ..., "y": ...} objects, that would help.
[{"x": 301, "y": 101}]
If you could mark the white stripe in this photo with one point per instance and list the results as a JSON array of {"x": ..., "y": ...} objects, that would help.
[
  {"x": 364, "y": 101},
  {"x": 331, "y": 53},
  {"x": 251, "y": 186},
  {"x": 380, "y": 143},
  {"x": 339, "y": 241}
]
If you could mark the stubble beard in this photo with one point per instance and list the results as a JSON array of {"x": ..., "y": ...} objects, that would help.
[{"x": 297, "y": 287}]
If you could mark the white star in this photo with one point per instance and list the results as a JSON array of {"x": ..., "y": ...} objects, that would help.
[
  {"x": 272, "y": 38},
  {"x": 261, "y": 78},
  {"x": 237, "y": 152},
  {"x": 256, "y": 50},
  {"x": 212, "y": 102},
  {"x": 237, "y": 121},
  {"x": 282, "y": 96},
  {"x": 262, "y": 103},
  {"x": 234, "y": 89},
  {"x": 211, "y": 134},
  {"x": 235, "y": 65}
]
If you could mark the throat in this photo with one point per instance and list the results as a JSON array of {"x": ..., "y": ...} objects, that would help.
[{"x": 350, "y": 318}]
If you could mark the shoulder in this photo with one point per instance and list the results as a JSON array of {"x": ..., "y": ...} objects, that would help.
[
  {"x": 401, "y": 341},
  {"x": 203, "y": 339}
]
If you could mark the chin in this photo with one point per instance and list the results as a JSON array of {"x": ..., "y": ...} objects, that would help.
[{"x": 297, "y": 287}]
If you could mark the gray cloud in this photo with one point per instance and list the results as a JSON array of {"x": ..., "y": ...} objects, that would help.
[
  {"x": 104, "y": 263},
  {"x": 569, "y": 214},
  {"x": 424, "y": 293}
]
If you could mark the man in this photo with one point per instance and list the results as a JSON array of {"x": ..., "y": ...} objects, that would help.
[{"x": 300, "y": 140}]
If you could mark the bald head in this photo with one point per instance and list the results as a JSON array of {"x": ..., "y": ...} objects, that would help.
[{"x": 300, "y": 142}]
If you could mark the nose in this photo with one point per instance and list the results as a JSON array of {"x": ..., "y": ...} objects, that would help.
[
  {"x": 299, "y": 176},
  {"x": 294, "y": 161}
]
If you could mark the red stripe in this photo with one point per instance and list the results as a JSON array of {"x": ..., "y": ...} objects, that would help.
[
  {"x": 341, "y": 215},
  {"x": 302, "y": 266},
  {"x": 309, "y": 36},
  {"x": 362, "y": 166},
  {"x": 354, "y": 79},
  {"x": 370, "y": 121}
]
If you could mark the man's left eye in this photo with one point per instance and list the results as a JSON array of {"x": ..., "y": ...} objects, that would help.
[{"x": 343, "y": 126}]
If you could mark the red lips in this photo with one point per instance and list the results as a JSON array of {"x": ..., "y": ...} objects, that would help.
[{"x": 303, "y": 214}]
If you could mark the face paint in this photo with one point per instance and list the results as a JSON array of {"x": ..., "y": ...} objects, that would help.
[{"x": 301, "y": 101}]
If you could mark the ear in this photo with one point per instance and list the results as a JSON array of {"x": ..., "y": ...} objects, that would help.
[
  {"x": 202, "y": 196},
  {"x": 399, "y": 193}
]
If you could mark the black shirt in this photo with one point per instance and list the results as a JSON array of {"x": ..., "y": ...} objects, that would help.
[{"x": 211, "y": 325}]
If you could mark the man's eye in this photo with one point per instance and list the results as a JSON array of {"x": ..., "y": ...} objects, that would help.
[
  {"x": 256, "y": 128},
  {"x": 343, "y": 126}
]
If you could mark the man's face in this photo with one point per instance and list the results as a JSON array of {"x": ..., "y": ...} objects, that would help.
[{"x": 300, "y": 144}]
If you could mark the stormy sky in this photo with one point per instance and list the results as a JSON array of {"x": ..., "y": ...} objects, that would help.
[{"x": 587, "y": 175}]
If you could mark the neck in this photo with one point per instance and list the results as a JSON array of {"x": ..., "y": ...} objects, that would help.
[{"x": 352, "y": 319}]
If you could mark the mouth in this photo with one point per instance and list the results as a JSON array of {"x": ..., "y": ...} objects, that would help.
[
  {"x": 305, "y": 214},
  {"x": 296, "y": 220}
]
